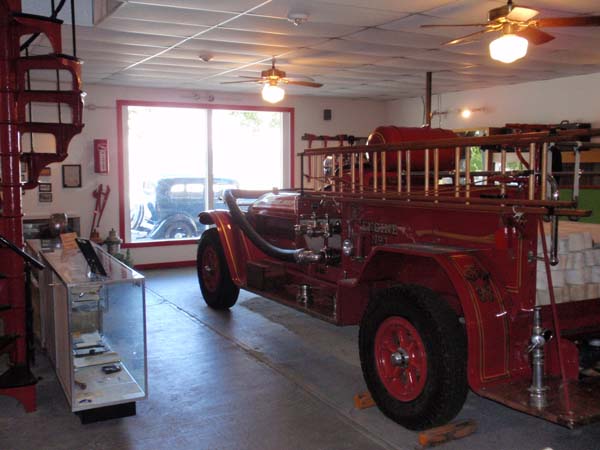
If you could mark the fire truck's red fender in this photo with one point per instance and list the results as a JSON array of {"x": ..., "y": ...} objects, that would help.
[
  {"x": 235, "y": 246},
  {"x": 482, "y": 300}
]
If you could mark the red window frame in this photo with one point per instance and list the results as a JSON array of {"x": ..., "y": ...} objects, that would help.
[{"x": 121, "y": 104}]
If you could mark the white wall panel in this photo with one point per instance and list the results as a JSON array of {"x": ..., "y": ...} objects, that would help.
[
  {"x": 357, "y": 117},
  {"x": 551, "y": 101}
]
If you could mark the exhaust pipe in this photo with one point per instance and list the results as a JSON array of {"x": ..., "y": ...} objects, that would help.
[{"x": 239, "y": 217}]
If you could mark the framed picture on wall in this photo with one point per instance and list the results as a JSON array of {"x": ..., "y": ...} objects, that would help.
[
  {"x": 45, "y": 172},
  {"x": 45, "y": 197},
  {"x": 45, "y": 187},
  {"x": 71, "y": 175}
]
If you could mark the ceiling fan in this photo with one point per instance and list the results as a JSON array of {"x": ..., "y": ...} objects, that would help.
[
  {"x": 519, "y": 27},
  {"x": 272, "y": 78}
]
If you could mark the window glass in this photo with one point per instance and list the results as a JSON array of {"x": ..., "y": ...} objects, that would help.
[
  {"x": 166, "y": 155},
  {"x": 166, "y": 160},
  {"x": 177, "y": 188},
  {"x": 250, "y": 157}
]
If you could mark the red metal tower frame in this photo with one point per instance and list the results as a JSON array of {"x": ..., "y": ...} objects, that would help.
[{"x": 15, "y": 97}]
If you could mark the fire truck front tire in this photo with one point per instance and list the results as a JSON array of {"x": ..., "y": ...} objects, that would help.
[
  {"x": 217, "y": 288},
  {"x": 413, "y": 353}
]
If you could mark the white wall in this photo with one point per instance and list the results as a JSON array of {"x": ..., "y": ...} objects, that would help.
[
  {"x": 576, "y": 99},
  {"x": 356, "y": 117}
]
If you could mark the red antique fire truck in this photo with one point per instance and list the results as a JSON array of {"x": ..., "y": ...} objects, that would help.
[{"x": 448, "y": 271}]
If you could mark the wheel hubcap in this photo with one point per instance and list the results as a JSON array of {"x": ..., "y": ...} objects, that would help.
[
  {"x": 210, "y": 269},
  {"x": 401, "y": 359}
]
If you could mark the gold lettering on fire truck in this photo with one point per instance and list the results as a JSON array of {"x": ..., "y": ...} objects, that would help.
[
  {"x": 480, "y": 280},
  {"x": 380, "y": 228}
]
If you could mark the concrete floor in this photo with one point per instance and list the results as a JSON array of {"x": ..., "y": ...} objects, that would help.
[{"x": 261, "y": 376}]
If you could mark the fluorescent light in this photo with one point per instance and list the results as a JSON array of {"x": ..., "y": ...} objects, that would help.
[
  {"x": 508, "y": 48},
  {"x": 272, "y": 93}
]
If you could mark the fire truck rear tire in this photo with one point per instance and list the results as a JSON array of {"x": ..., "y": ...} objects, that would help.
[
  {"x": 413, "y": 353},
  {"x": 217, "y": 288}
]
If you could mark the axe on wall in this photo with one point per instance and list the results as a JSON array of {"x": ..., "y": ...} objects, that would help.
[{"x": 101, "y": 197}]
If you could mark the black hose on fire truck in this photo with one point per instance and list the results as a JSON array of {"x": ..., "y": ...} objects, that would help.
[{"x": 289, "y": 255}]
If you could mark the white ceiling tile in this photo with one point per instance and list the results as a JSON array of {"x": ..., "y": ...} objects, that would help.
[
  {"x": 413, "y": 22},
  {"x": 249, "y": 37},
  {"x": 583, "y": 33},
  {"x": 422, "y": 65},
  {"x": 408, "y": 7},
  {"x": 173, "y": 73},
  {"x": 382, "y": 72},
  {"x": 199, "y": 46},
  {"x": 443, "y": 54},
  {"x": 361, "y": 48},
  {"x": 567, "y": 7},
  {"x": 233, "y": 6},
  {"x": 191, "y": 59},
  {"x": 331, "y": 13},
  {"x": 275, "y": 25},
  {"x": 400, "y": 38},
  {"x": 465, "y": 11},
  {"x": 171, "y": 15},
  {"x": 119, "y": 37},
  {"x": 569, "y": 42},
  {"x": 84, "y": 45},
  {"x": 568, "y": 57},
  {"x": 149, "y": 27},
  {"x": 358, "y": 49},
  {"x": 317, "y": 58},
  {"x": 198, "y": 71}
]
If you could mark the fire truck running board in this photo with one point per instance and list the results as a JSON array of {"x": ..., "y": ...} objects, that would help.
[
  {"x": 435, "y": 249},
  {"x": 272, "y": 281},
  {"x": 584, "y": 394}
]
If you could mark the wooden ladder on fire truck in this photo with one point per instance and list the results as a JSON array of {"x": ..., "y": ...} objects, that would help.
[
  {"x": 362, "y": 174},
  {"x": 18, "y": 99}
]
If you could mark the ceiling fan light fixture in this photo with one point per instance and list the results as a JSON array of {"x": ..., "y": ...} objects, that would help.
[
  {"x": 508, "y": 48},
  {"x": 297, "y": 18},
  {"x": 272, "y": 93}
]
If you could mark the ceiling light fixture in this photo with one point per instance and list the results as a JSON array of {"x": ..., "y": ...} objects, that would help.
[
  {"x": 465, "y": 113},
  {"x": 509, "y": 47},
  {"x": 272, "y": 93}
]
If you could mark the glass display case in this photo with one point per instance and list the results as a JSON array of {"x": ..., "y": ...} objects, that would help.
[
  {"x": 37, "y": 226},
  {"x": 94, "y": 330}
]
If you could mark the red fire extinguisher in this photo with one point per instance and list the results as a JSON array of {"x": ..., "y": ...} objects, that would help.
[{"x": 101, "y": 155}]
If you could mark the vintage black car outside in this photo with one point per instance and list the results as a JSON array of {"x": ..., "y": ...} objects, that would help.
[{"x": 177, "y": 202}]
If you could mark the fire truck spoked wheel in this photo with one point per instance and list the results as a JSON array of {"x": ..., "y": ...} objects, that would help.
[
  {"x": 413, "y": 353},
  {"x": 400, "y": 358},
  {"x": 217, "y": 288}
]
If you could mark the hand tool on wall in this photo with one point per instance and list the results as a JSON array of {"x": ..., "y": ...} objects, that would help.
[{"x": 101, "y": 197}]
